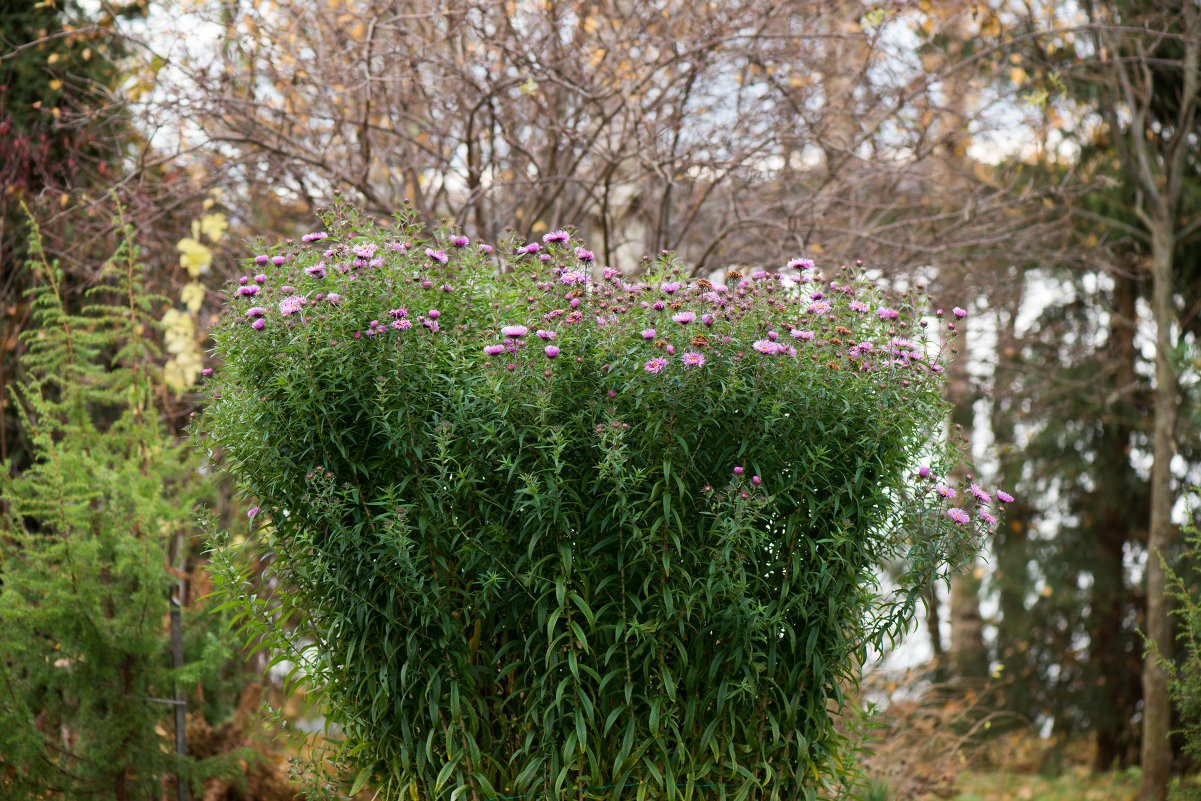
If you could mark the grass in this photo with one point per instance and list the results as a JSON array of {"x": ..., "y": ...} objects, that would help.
[{"x": 1074, "y": 784}]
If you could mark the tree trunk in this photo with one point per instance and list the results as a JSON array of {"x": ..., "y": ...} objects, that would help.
[
  {"x": 1011, "y": 546},
  {"x": 1157, "y": 751},
  {"x": 969, "y": 656},
  {"x": 1120, "y": 509}
]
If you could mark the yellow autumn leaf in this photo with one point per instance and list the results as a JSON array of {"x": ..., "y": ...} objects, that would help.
[
  {"x": 214, "y": 226},
  {"x": 216, "y": 195},
  {"x": 55, "y": 85},
  {"x": 181, "y": 372},
  {"x": 1017, "y": 76},
  {"x": 194, "y": 256},
  {"x": 178, "y": 331},
  {"x": 192, "y": 296}
]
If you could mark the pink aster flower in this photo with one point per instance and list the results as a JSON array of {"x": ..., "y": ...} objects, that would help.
[
  {"x": 986, "y": 517},
  {"x": 669, "y": 286},
  {"x": 398, "y": 313},
  {"x": 252, "y": 289},
  {"x": 460, "y": 241},
  {"x": 434, "y": 314},
  {"x": 588, "y": 255},
  {"x": 684, "y": 317},
  {"x": 551, "y": 351},
  {"x": 799, "y": 334},
  {"x": 514, "y": 331},
  {"x": 290, "y": 305},
  {"x": 437, "y": 255},
  {"x": 958, "y": 515},
  {"x": 316, "y": 270},
  {"x": 258, "y": 324},
  {"x": 800, "y": 264},
  {"x": 206, "y": 372},
  {"x": 738, "y": 471},
  {"x": 756, "y": 480},
  {"x": 819, "y": 307},
  {"x": 573, "y": 277},
  {"x": 545, "y": 334},
  {"x": 278, "y": 260},
  {"x": 888, "y": 314},
  {"x": 958, "y": 312},
  {"x": 261, "y": 278},
  {"x": 768, "y": 347},
  {"x": 693, "y": 359},
  {"x": 945, "y": 491},
  {"x": 334, "y": 298},
  {"x": 364, "y": 251},
  {"x": 492, "y": 350},
  {"x": 648, "y": 333},
  {"x": 655, "y": 365},
  {"x": 556, "y": 236},
  {"x": 979, "y": 494},
  {"x": 256, "y": 311},
  {"x": 485, "y": 249},
  {"x": 262, "y": 258},
  {"x": 532, "y": 247},
  {"x": 1004, "y": 497},
  {"x": 858, "y": 306},
  {"x": 924, "y": 472}
]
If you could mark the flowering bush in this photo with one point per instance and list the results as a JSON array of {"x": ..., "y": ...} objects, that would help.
[{"x": 553, "y": 528}]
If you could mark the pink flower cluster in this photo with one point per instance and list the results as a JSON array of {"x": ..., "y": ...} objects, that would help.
[{"x": 981, "y": 496}]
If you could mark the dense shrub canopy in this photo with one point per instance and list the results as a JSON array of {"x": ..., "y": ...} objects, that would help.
[{"x": 553, "y": 528}]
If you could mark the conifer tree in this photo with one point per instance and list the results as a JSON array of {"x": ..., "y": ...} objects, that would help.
[{"x": 85, "y": 671}]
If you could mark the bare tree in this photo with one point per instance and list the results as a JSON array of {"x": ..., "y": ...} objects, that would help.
[
  {"x": 1137, "y": 66},
  {"x": 1138, "y": 51},
  {"x": 748, "y": 130}
]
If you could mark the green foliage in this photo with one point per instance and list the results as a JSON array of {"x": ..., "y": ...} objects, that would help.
[
  {"x": 83, "y": 568},
  {"x": 548, "y": 566},
  {"x": 1185, "y": 671}
]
